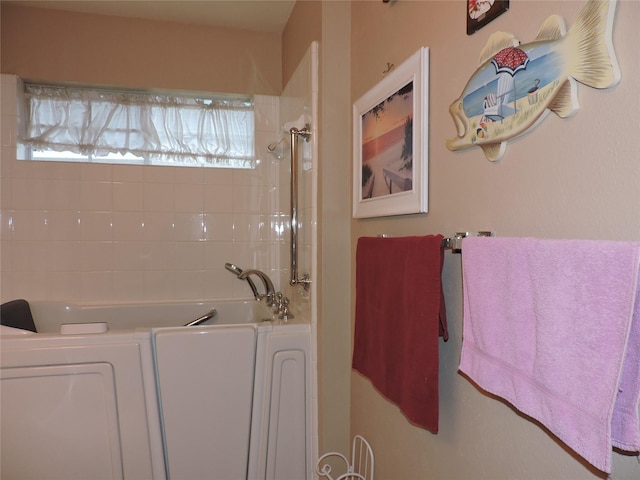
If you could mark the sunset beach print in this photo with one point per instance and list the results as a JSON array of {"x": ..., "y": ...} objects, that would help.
[{"x": 387, "y": 145}]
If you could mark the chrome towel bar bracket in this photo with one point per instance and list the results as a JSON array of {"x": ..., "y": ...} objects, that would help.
[{"x": 454, "y": 243}]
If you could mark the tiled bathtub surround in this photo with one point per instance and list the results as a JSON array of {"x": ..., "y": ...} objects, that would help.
[
  {"x": 297, "y": 101},
  {"x": 98, "y": 232}
]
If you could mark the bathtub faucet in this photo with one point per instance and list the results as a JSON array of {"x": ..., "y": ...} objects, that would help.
[
  {"x": 270, "y": 293},
  {"x": 237, "y": 271}
]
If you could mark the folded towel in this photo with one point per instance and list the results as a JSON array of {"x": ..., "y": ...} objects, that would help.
[
  {"x": 399, "y": 315},
  {"x": 553, "y": 327}
]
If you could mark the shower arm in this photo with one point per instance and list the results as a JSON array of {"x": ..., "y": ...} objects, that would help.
[{"x": 305, "y": 133}]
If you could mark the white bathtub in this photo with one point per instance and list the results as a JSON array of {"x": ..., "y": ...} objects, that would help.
[{"x": 147, "y": 398}]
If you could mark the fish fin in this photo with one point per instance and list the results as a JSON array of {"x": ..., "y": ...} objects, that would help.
[
  {"x": 497, "y": 41},
  {"x": 592, "y": 57},
  {"x": 494, "y": 151},
  {"x": 565, "y": 103},
  {"x": 553, "y": 28}
]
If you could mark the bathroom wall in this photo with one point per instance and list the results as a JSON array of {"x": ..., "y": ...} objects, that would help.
[
  {"x": 125, "y": 233},
  {"x": 304, "y": 26},
  {"x": 114, "y": 233},
  {"x": 329, "y": 22},
  {"x": 573, "y": 178},
  {"x": 568, "y": 178},
  {"x": 299, "y": 104},
  {"x": 122, "y": 233},
  {"x": 58, "y": 46}
]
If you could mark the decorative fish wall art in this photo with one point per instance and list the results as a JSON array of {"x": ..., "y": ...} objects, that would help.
[{"x": 516, "y": 85}]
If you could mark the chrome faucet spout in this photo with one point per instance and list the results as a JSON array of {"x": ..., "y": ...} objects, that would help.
[
  {"x": 237, "y": 271},
  {"x": 233, "y": 268},
  {"x": 270, "y": 291}
]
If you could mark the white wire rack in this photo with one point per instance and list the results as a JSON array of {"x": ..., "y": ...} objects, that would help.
[{"x": 359, "y": 468}]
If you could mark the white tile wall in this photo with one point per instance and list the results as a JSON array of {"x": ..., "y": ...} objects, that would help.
[
  {"x": 117, "y": 233},
  {"x": 299, "y": 98}
]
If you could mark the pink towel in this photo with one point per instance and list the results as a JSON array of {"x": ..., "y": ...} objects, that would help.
[
  {"x": 399, "y": 314},
  {"x": 553, "y": 327}
]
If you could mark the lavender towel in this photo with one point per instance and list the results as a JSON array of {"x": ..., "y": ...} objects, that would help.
[{"x": 553, "y": 327}]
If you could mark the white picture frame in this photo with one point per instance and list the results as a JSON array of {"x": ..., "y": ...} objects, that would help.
[{"x": 391, "y": 144}]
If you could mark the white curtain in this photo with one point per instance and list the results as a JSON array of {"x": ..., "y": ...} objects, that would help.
[{"x": 162, "y": 128}]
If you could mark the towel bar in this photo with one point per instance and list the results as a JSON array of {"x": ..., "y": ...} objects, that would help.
[{"x": 455, "y": 243}]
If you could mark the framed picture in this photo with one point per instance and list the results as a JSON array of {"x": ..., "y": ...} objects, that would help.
[
  {"x": 481, "y": 12},
  {"x": 390, "y": 142}
]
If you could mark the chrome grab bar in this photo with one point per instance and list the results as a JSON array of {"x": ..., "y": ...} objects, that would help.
[
  {"x": 210, "y": 314},
  {"x": 305, "y": 133}
]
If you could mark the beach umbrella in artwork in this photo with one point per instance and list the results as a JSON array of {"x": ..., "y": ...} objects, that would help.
[{"x": 510, "y": 61}]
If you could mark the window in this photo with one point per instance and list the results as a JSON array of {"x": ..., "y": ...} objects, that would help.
[{"x": 95, "y": 125}]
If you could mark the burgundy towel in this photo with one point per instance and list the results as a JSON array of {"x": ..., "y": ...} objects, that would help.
[{"x": 399, "y": 315}]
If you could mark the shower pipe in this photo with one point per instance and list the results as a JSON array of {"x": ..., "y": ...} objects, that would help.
[{"x": 305, "y": 133}]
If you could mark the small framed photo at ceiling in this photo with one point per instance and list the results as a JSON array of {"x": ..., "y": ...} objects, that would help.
[
  {"x": 481, "y": 12},
  {"x": 390, "y": 142}
]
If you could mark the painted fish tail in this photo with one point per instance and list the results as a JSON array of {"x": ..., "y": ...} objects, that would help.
[{"x": 593, "y": 59}]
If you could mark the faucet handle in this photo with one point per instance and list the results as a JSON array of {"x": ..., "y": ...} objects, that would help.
[
  {"x": 285, "y": 314},
  {"x": 271, "y": 299},
  {"x": 277, "y": 308}
]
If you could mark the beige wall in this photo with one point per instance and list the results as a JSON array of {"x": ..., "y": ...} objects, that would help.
[
  {"x": 573, "y": 178},
  {"x": 329, "y": 23},
  {"x": 43, "y": 44},
  {"x": 334, "y": 339},
  {"x": 303, "y": 27}
]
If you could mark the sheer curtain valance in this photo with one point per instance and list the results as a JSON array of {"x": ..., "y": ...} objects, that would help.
[{"x": 160, "y": 128}]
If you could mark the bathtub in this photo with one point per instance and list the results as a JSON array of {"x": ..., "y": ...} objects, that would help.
[{"x": 127, "y": 391}]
